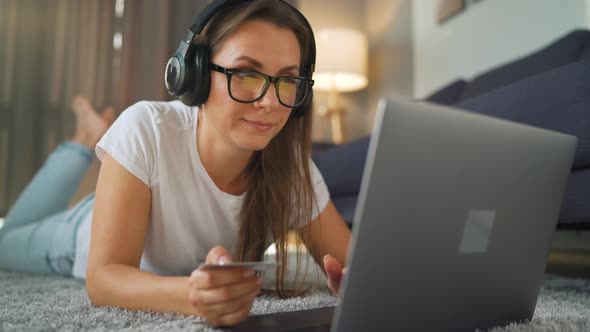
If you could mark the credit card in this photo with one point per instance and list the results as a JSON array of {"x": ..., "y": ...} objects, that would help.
[{"x": 256, "y": 266}]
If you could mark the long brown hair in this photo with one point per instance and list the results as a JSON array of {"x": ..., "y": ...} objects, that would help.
[{"x": 280, "y": 193}]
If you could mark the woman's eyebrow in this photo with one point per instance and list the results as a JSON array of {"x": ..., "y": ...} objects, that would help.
[{"x": 258, "y": 65}]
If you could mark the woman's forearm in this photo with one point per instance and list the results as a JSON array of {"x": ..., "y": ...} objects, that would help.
[{"x": 130, "y": 288}]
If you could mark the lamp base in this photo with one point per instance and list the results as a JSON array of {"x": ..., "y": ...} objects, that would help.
[
  {"x": 337, "y": 123},
  {"x": 336, "y": 114}
]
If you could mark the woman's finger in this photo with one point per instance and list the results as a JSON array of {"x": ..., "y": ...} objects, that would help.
[
  {"x": 334, "y": 273},
  {"x": 235, "y": 317},
  {"x": 217, "y": 255},
  {"x": 217, "y": 278},
  {"x": 334, "y": 285},
  {"x": 207, "y": 297},
  {"x": 218, "y": 310},
  {"x": 332, "y": 266}
]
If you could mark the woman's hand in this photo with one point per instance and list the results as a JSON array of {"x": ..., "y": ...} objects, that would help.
[
  {"x": 334, "y": 272},
  {"x": 223, "y": 297}
]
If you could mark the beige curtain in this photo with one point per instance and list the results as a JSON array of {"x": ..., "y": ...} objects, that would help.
[
  {"x": 53, "y": 50},
  {"x": 152, "y": 32}
]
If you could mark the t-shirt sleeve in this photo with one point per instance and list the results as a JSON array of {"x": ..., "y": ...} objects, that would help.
[
  {"x": 131, "y": 141},
  {"x": 322, "y": 194}
]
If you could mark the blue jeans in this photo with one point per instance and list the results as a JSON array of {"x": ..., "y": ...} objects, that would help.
[{"x": 39, "y": 234}]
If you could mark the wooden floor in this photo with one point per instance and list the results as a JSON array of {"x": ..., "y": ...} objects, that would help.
[
  {"x": 570, "y": 254},
  {"x": 569, "y": 263}
]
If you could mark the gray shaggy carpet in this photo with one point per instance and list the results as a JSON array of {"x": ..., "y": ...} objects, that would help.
[{"x": 39, "y": 302}]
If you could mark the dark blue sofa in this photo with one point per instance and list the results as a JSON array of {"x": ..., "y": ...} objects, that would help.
[{"x": 549, "y": 88}]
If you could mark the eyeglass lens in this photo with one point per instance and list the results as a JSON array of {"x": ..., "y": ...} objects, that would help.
[{"x": 248, "y": 86}]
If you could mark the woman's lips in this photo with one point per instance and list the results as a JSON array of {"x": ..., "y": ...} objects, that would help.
[{"x": 260, "y": 125}]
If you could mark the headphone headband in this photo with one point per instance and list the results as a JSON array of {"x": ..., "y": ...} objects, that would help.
[{"x": 216, "y": 6}]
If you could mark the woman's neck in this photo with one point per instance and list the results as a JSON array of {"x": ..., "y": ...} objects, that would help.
[{"x": 224, "y": 163}]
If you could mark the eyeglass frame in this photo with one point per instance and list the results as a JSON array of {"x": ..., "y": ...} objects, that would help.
[{"x": 268, "y": 79}]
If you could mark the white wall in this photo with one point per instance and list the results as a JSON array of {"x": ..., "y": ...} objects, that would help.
[
  {"x": 488, "y": 33},
  {"x": 391, "y": 73}
]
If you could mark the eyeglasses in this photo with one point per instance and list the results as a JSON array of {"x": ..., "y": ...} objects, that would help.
[{"x": 248, "y": 86}]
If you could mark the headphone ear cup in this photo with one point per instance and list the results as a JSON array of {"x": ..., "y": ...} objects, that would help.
[
  {"x": 197, "y": 91},
  {"x": 305, "y": 107},
  {"x": 174, "y": 76}
]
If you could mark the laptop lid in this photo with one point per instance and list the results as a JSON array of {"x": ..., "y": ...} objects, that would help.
[{"x": 454, "y": 220}]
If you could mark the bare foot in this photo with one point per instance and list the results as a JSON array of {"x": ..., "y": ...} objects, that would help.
[{"x": 90, "y": 126}]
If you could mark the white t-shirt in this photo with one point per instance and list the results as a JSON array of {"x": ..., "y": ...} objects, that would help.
[{"x": 156, "y": 142}]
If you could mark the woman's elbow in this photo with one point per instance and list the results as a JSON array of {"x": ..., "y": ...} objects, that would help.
[{"x": 93, "y": 288}]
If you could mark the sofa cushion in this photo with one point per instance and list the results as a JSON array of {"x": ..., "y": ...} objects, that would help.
[
  {"x": 346, "y": 205},
  {"x": 449, "y": 94},
  {"x": 342, "y": 166},
  {"x": 586, "y": 52},
  {"x": 557, "y": 100},
  {"x": 576, "y": 208},
  {"x": 567, "y": 49}
]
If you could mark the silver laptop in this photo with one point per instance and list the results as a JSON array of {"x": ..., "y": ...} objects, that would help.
[{"x": 453, "y": 225}]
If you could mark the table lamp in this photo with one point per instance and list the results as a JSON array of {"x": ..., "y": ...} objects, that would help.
[{"x": 341, "y": 66}]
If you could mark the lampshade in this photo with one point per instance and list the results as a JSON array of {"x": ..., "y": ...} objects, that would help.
[{"x": 341, "y": 62}]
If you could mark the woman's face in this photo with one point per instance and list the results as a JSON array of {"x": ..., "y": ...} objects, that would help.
[{"x": 260, "y": 46}]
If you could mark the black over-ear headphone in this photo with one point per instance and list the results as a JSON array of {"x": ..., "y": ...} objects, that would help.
[{"x": 187, "y": 72}]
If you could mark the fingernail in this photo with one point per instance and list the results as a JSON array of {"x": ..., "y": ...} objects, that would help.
[
  {"x": 222, "y": 260},
  {"x": 249, "y": 273}
]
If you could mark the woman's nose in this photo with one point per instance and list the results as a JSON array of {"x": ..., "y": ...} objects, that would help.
[{"x": 269, "y": 100}]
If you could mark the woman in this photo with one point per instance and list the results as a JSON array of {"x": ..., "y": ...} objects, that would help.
[{"x": 183, "y": 185}]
